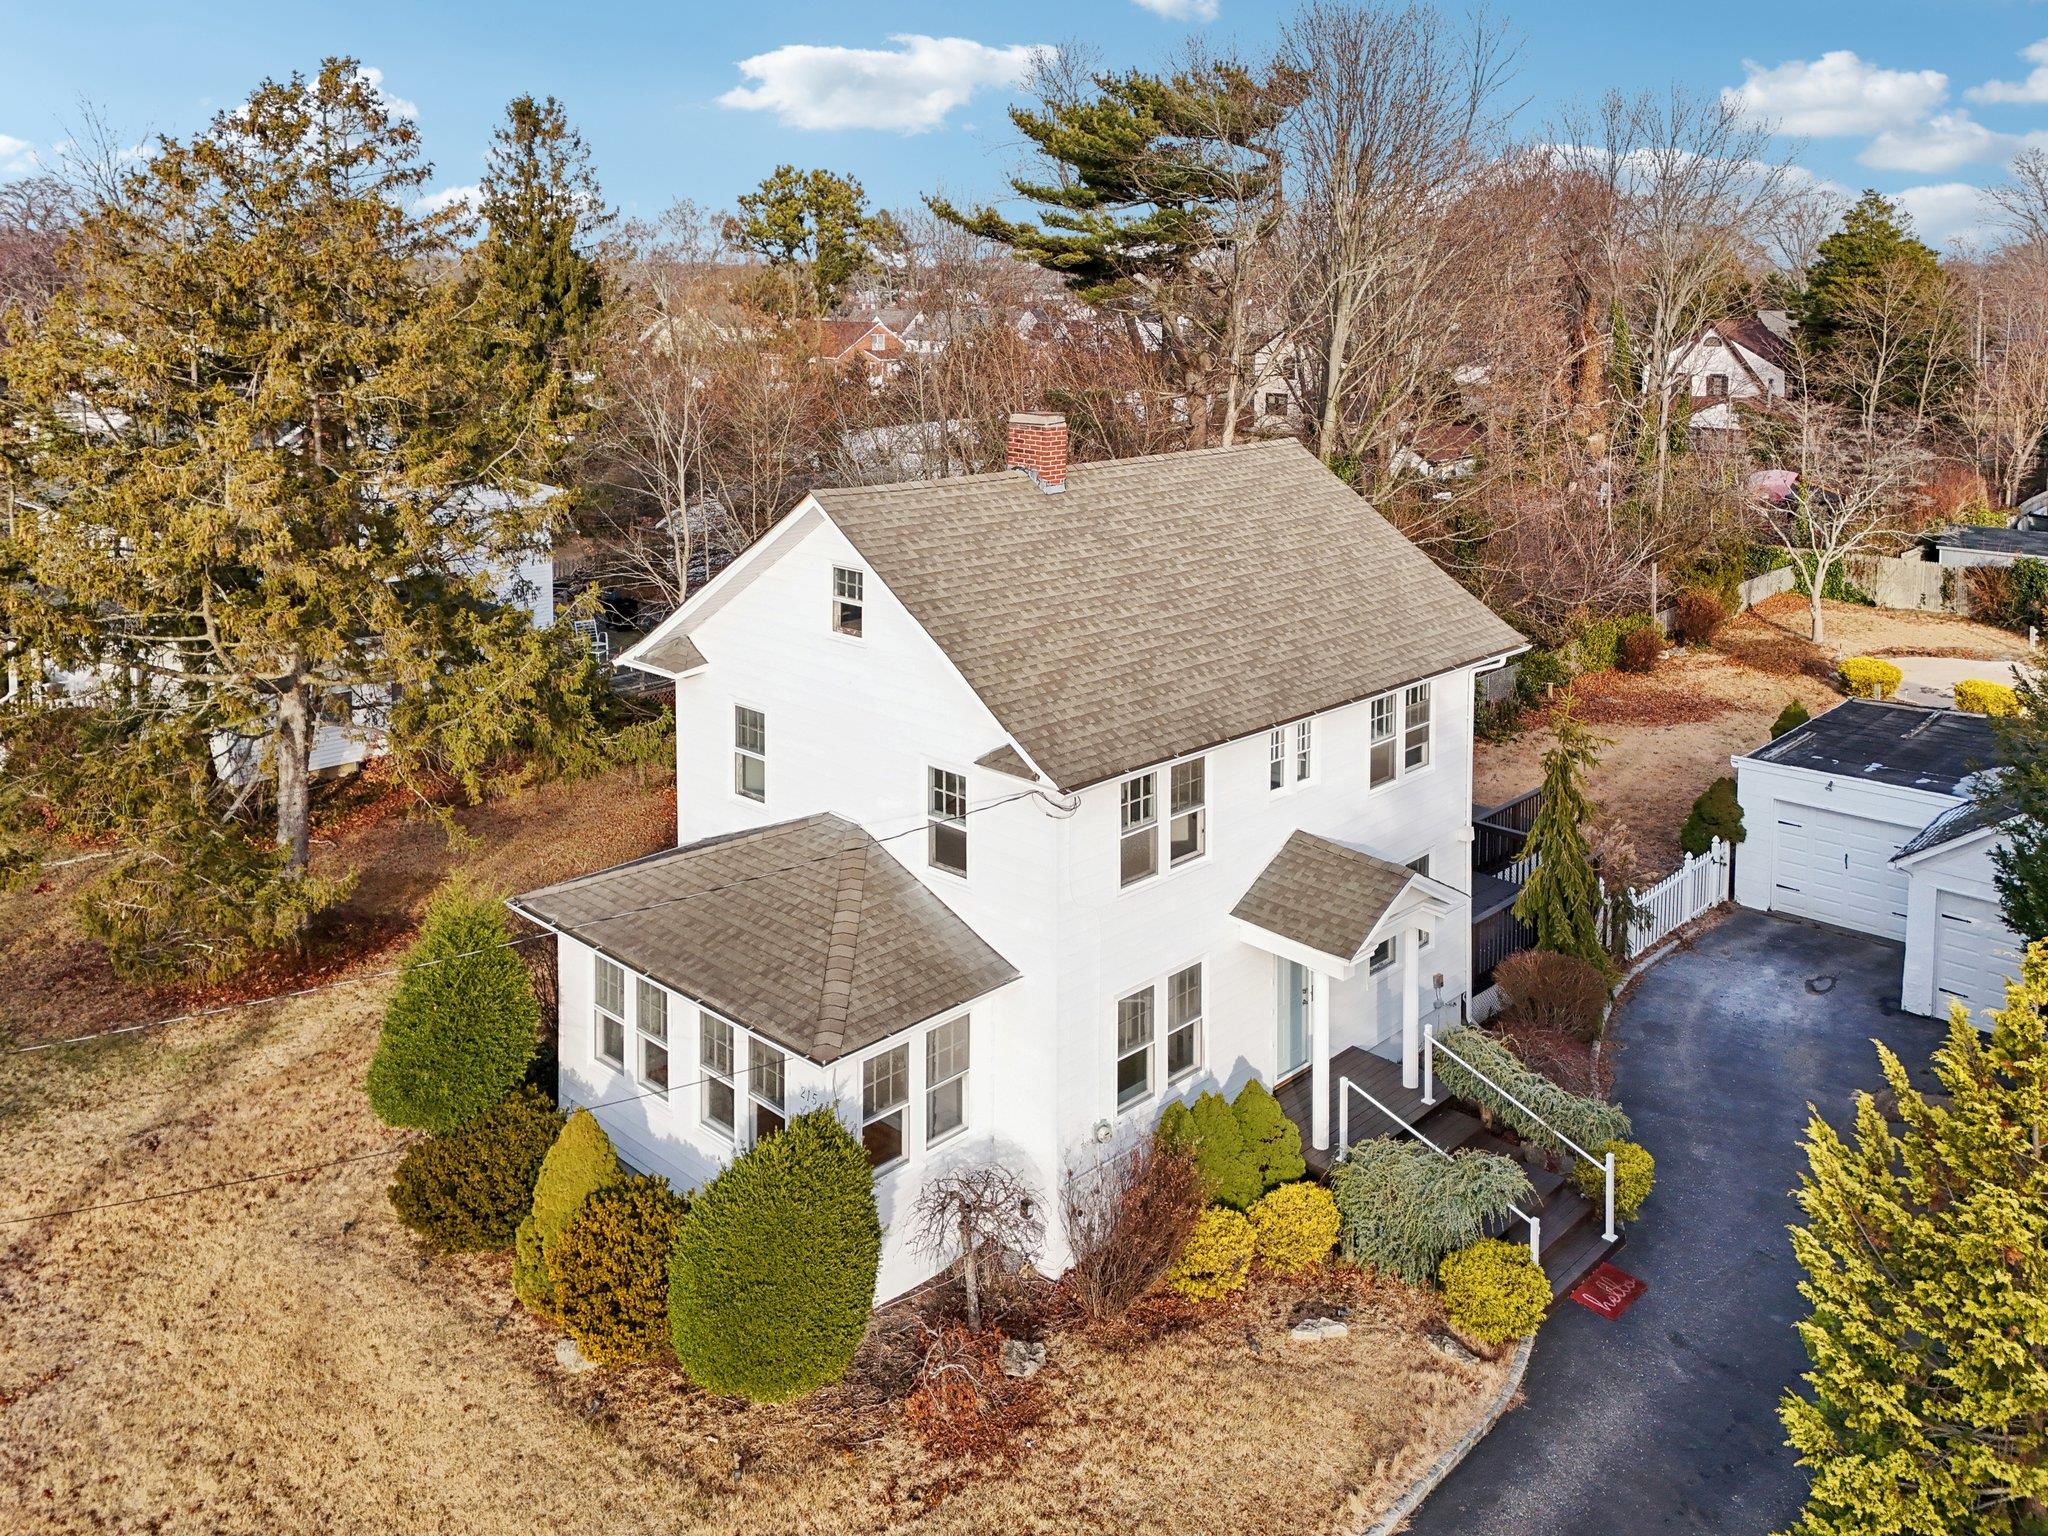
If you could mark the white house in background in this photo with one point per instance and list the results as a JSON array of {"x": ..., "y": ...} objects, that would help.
[
  {"x": 1012, "y": 806},
  {"x": 1744, "y": 359},
  {"x": 1865, "y": 817}
]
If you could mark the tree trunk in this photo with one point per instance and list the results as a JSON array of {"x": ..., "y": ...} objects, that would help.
[
  {"x": 294, "y": 751},
  {"x": 970, "y": 1274},
  {"x": 1820, "y": 579},
  {"x": 1334, "y": 365}
]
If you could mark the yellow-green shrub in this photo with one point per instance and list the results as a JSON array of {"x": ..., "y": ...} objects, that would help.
[
  {"x": 1217, "y": 1258},
  {"x": 1634, "y": 1172},
  {"x": 1293, "y": 1227},
  {"x": 580, "y": 1163},
  {"x": 1870, "y": 677},
  {"x": 1493, "y": 1291},
  {"x": 1980, "y": 696}
]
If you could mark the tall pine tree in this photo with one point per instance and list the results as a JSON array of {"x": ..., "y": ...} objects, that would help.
[
  {"x": 1561, "y": 899},
  {"x": 1926, "y": 1259},
  {"x": 815, "y": 231}
]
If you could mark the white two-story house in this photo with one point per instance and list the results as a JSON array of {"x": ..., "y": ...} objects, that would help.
[{"x": 1012, "y": 806}]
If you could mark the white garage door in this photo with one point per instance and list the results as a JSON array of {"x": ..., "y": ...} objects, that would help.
[
  {"x": 1974, "y": 953},
  {"x": 1838, "y": 869}
]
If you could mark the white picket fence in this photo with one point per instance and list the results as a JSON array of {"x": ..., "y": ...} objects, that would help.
[{"x": 1701, "y": 882}]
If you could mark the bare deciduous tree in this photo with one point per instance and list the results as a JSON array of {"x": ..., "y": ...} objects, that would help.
[{"x": 984, "y": 1218}]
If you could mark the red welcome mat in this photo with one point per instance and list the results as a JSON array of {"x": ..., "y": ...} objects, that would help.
[{"x": 1608, "y": 1291}]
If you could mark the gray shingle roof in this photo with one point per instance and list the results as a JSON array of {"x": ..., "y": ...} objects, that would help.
[
  {"x": 1326, "y": 895},
  {"x": 1006, "y": 759},
  {"x": 1956, "y": 823},
  {"x": 808, "y": 932},
  {"x": 1161, "y": 605},
  {"x": 2005, "y": 541},
  {"x": 671, "y": 655},
  {"x": 1902, "y": 744}
]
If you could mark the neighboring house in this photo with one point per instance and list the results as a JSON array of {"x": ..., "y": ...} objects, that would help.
[
  {"x": 1866, "y": 817},
  {"x": 1960, "y": 547},
  {"x": 1447, "y": 451},
  {"x": 868, "y": 345},
  {"x": 1012, "y": 806},
  {"x": 1745, "y": 360}
]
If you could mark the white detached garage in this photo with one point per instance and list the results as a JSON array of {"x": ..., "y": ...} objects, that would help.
[{"x": 1863, "y": 817}]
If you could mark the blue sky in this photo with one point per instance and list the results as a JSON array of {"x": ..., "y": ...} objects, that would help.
[{"x": 693, "y": 99}]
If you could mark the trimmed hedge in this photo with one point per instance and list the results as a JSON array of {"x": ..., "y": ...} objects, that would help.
[
  {"x": 1493, "y": 1291},
  {"x": 1717, "y": 813},
  {"x": 467, "y": 1191},
  {"x": 463, "y": 1023},
  {"x": 1217, "y": 1258},
  {"x": 1589, "y": 1122},
  {"x": 1635, "y": 1171},
  {"x": 608, "y": 1270},
  {"x": 1294, "y": 1227},
  {"x": 773, "y": 1275},
  {"x": 1404, "y": 1206},
  {"x": 1870, "y": 677},
  {"x": 580, "y": 1163},
  {"x": 1208, "y": 1131},
  {"x": 1980, "y": 696}
]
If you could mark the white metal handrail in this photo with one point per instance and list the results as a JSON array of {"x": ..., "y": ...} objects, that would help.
[
  {"x": 1344, "y": 1151},
  {"x": 1431, "y": 1045}
]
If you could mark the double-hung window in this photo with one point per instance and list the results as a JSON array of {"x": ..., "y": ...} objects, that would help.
[
  {"x": 608, "y": 1025},
  {"x": 1137, "y": 828},
  {"x": 1304, "y": 750},
  {"x": 1276, "y": 757},
  {"x": 884, "y": 1090},
  {"x": 849, "y": 600},
  {"x": 945, "y": 1079},
  {"x": 1187, "y": 833},
  {"x": 749, "y": 753},
  {"x": 650, "y": 1018},
  {"x": 1183, "y": 1022},
  {"x": 946, "y": 808},
  {"x": 714, "y": 1055},
  {"x": 1290, "y": 754},
  {"x": 1383, "y": 758},
  {"x": 1134, "y": 1049},
  {"x": 767, "y": 1086},
  {"x": 1415, "y": 732}
]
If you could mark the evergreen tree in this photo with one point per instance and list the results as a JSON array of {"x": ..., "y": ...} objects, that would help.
[
  {"x": 1875, "y": 235},
  {"x": 1876, "y": 314},
  {"x": 812, "y": 227},
  {"x": 538, "y": 286},
  {"x": 259, "y": 434},
  {"x": 1926, "y": 1259},
  {"x": 1561, "y": 900},
  {"x": 1149, "y": 181},
  {"x": 2020, "y": 792}
]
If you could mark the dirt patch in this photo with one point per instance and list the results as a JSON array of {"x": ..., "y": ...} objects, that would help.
[
  {"x": 277, "y": 1356},
  {"x": 1849, "y": 629}
]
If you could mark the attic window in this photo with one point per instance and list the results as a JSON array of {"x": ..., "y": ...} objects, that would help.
[
  {"x": 849, "y": 600},
  {"x": 1717, "y": 386}
]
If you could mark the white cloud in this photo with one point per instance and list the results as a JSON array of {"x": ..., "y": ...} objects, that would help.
[
  {"x": 18, "y": 157},
  {"x": 2033, "y": 89},
  {"x": 907, "y": 89},
  {"x": 1945, "y": 212},
  {"x": 1180, "y": 10},
  {"x": 397, "y": 106},
  {"x": 448, "y": 197},
  {"x": 1942, "y": 143},
  {"x": 1837, "y": 93}
]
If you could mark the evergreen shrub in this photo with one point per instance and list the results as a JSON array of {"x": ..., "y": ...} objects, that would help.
[
  {"x": 773, "y": 1275},
  {"x": 580, "y": 1163},
  {"x": 1294, "y": 1227},
  {"x": 1589, "y": 1122},
  {"x": 1870, "y": 677},
  {"x": 1791, "y": 717},
  {"x": 1979, "y": 696},
  {"x": 462, "y": 1024},
  {"x": 1635, "y": 1171},
  {"x": 1272, "y": 1142},
  {"x": 1717, "y": 813},
  {"x": 1402, "y": 1206},
  {"x": 468, "y": 1190},
  {"x": 1217, "y": 1258},
  {"x": 608, "y": 1270},
  {"x": 1493, "y": 1291}
]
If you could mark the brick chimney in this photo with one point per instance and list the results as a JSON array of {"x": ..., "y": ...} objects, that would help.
[{"x": 1038, "y": 445}]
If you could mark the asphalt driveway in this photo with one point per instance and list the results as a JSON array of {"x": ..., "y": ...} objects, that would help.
[{"x": 1666, "y": 1420}]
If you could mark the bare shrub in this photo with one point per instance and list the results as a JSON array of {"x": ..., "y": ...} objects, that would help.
[
  {"x": 963, "y": 1405},
  {"x": 985, "y": 1219},
  {"x": 1553, "y": 992},
  {"x": 1699, "y": 616},
  {"x": 1126, "y": 1223},
  {"x": 1638, "y": 649}
]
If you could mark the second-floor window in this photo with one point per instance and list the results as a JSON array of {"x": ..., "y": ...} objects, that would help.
[
  {"x": 1187, "y": 835},
  {"x": 1415, "y": 729},
  {"x": 946, "y": 808},
  {"x": 749, "y": 753},
  {"x": 1717, "y": 386},
  {"x": 849, "y": 600},
  {"x": 1399, "y": 727},
  {"x": 1290, "y": 754},
  {"x": 1138, "y": 828},
  {"x": 1384, "y": 754}
]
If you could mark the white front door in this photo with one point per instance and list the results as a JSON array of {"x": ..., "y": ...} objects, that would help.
[
  {"x": 1837, "y": 869},
  {"x": 1297, "y": 995},
  {"x": 1974, "y": 955}
]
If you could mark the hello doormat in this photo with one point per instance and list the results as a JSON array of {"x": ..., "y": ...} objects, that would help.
[{"x": 1608, "y": 1291}]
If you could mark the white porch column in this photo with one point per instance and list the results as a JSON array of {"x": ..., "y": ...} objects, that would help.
[
  {"x": 1319, "y": 1060},
  {"x": 1411, "y": 1010}
]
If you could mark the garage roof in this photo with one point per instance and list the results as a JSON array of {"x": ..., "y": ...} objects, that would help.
[
  {"x": 1957, "y": 823},
  {"x": 1932, "y": 749}
]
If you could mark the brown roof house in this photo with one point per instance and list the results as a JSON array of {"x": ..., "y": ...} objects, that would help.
[{"x": 1013, "y": 806}]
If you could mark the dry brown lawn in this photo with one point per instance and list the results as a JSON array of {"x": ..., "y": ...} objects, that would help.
[
  {"x": 1849, "y": 629},
  {"x": 277, "y": 1356}
]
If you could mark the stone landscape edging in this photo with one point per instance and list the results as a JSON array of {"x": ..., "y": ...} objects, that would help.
[{"x": 1443, "y": 1466}]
